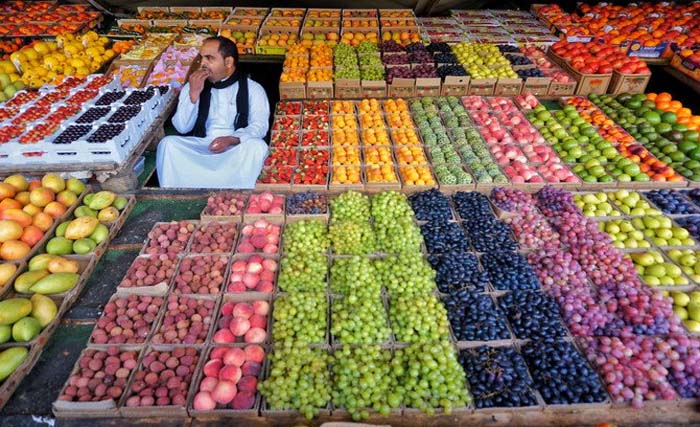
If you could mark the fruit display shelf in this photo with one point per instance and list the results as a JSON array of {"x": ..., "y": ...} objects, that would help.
[
  {"x": 210, "y": 385},
  {"x": 647, "y": 34},
  {"x": 481, "y": 142},
  {"x": 57, "y": 289}
]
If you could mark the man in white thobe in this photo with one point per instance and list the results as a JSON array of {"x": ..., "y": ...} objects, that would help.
[{"x": 227, "y": 149}]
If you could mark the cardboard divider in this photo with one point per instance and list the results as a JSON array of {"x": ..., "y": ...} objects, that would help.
[
  {"x": 483, "y": 87},
  {"x": 347, "y": 89},
  {"x": 455, "y": 86}
]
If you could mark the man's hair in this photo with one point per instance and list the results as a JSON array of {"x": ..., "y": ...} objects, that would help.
[{"x": 226, "y": 48}]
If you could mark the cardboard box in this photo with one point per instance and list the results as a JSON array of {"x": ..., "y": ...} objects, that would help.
[
  {"x": 401, "y": 88},
  {"x": 455, "y": 85},
  {"x": 538, "y": 86},
  {"x": 373, "y": 89},
  {"x": 360, "y": 13},
  {"x": 213, "y": 24},
  {"x": 428, "y": 86},
  {"x": 292, "y": 90},
  {"x": 629, "y": 83},
  {"x": 484, "y": 87},
  {"x": 686, "y": 67},
  {"x": 259, "y": 12},
  {"x": 508, "y": 87},
  {"x": 590, "y": 83},
  {"x": 319, "y": 90},
  {"x": 561, "y": 89},
  {"x": 347, "y": 88}
]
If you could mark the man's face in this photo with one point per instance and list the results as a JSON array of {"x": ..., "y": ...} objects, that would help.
[{"x": 212, "y": 61}]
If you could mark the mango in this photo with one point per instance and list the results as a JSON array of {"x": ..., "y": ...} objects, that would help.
[
  {"x": 75, "y": 185},
  {"x": 5, "y": 333},
  {"x": 40, "y": 262},
  {"x": 6, "y": 272},
  {"x": 13, "y": 309},
  {"x": 25, "y": 329},
  {"x": 59, "y": 246},
  {"x": 100, "y": 234},
  {"x": 43, "y": 309},
  {"x": 61, "y": 229},
  {"x": 25, "y": 281},
  {"x": 120, "y": 202},
  {"x": 82, "y": 211},
  {"x": 81, "y": 227},
  {"x": 84, "y": 246},
  {"x": 109, "y": 214},
  {"x": 10, "y": 360},
  {"x": 101, "y": 200},
  {"x": 63, "y": 265},
  {"x": 88, "y": 198},
  {"x": 55, "y": 283}
]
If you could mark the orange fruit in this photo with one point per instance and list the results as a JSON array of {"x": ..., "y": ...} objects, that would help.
[{"x": 664, "y": 97}]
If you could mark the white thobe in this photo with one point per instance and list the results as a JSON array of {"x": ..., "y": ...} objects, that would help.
[{"x": 186, "y": 162}]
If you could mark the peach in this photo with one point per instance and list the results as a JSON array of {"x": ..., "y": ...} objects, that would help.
[
  {"x": 224, "y": 392},
  {"x": 237, "y": 287},
  {"x": 269, "y": 264},
  {"x": 34, "y": 185},
  {"x": 251, "y": 368},
  {"x": 227, "y": 308},
  {"x": 261, "y": 307},
  {"x": 254, "y": 353},
  {"x": 22, "y": 218},
  {"x": 258, "y": 321},
  {"x": 270, "y": 249},
  {"x": 7, "y": 191},
  {"x": 208, "y": 384},
  {"x": 243, "y": 400},
  {"x": 32, "y": 235},
  {"x": 230, "y": 373},
  {"x": 212, "y": 368},
  {"x": 224, "y": 336},
  {"x": 43, "y": 221},
  {"x": 41, "y": 196},
  {"x": 266, "y": 287},
  {"x": 239, "y": 326},
  {"x": 267, "y": 276},
  {"x": 245, "y": 248},
  {"x": 248, "y": 383},
  {"x": 203, "y": 401},
  {"x": 55, "y": 209},
  {"x": 250, "y": 280},
  {"x": 258, "y": 241},
  {"x": 243, "y": 309},
  {"x": 255, "y": 335},
  {"x": 234, "y": 356},
  {"x": 238, "y": 267},
  {"x": 218, "y": 352},
  {"x": 254, "y": 267}
]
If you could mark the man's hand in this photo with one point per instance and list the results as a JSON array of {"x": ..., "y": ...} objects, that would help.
[
  {"x": 223, "y": 143},
  {"x": 197, "y": 83}
]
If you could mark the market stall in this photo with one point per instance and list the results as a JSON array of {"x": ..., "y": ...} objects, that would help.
[{"x": 486, "y": 218}]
